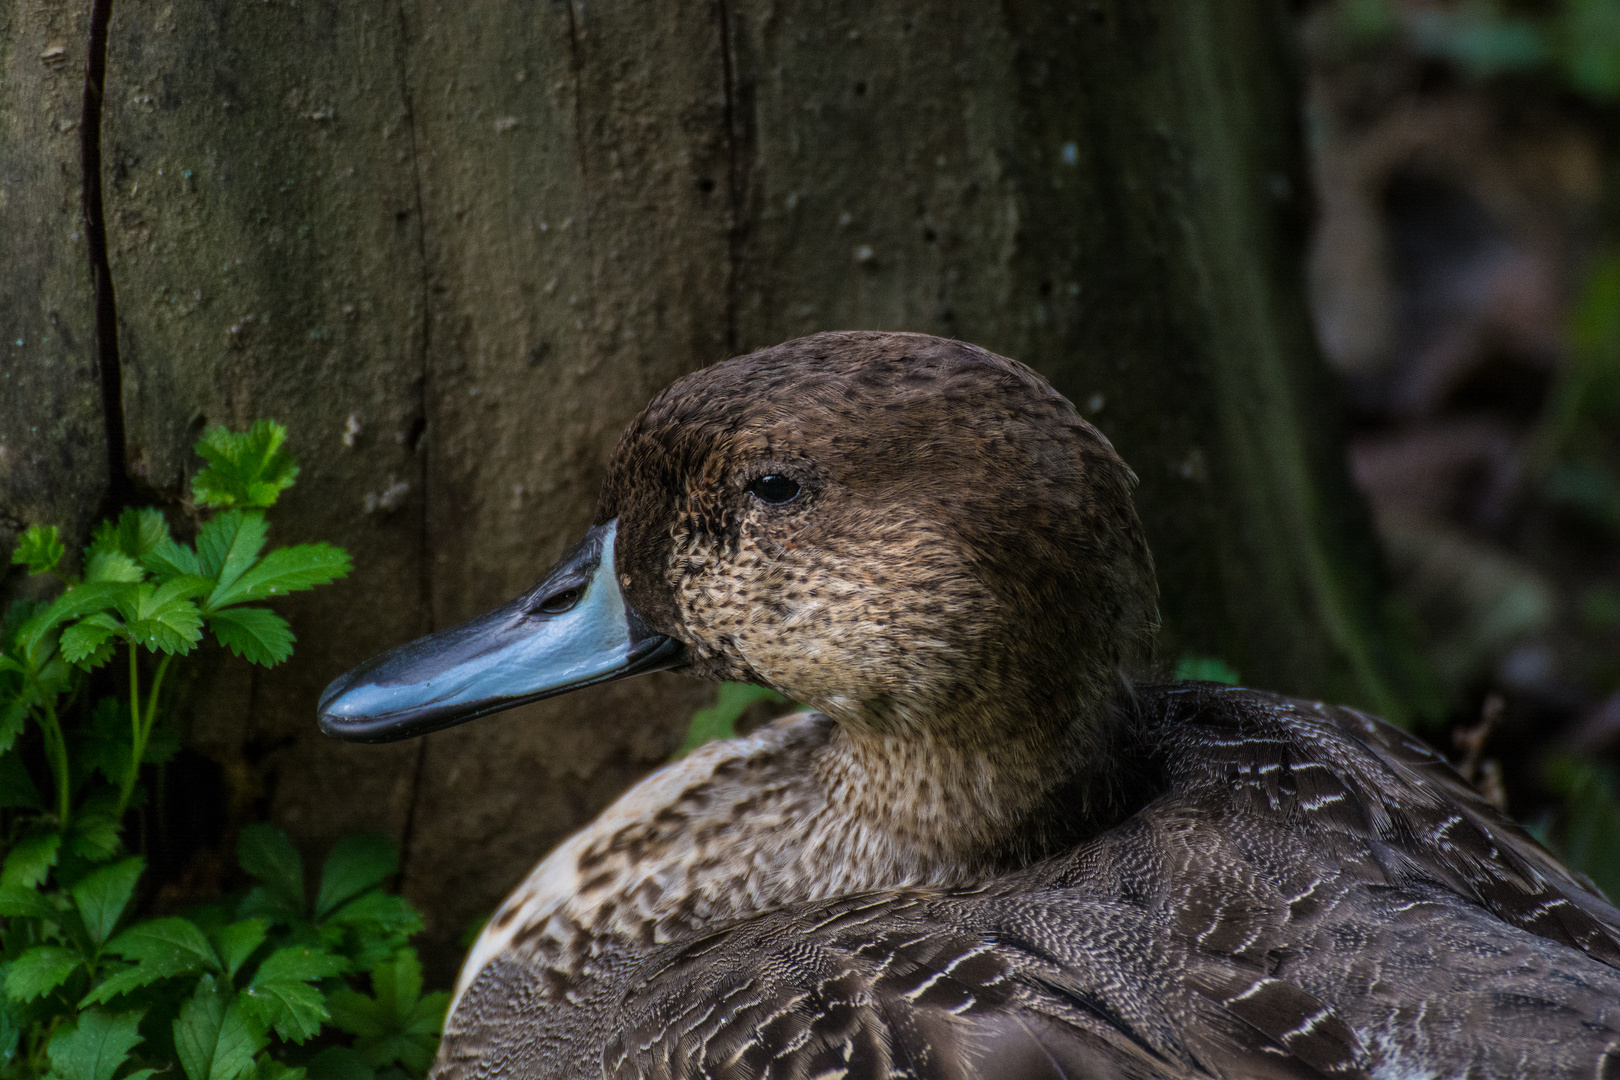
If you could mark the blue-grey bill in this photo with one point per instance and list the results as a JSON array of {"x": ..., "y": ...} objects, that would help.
[{"x": 572, "y": 629}]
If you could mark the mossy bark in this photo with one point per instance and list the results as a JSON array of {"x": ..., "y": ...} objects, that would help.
[{"x": 456, "y": 247}]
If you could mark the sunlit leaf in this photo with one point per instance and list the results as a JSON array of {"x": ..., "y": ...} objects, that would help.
[
  {"x": 284, "y": 570},
  {"x": 247, "y": 469},
  {"x": 39, "y": 549},
  {"x": 227, "y": 546},
  {"x": 257, "y": 635}
]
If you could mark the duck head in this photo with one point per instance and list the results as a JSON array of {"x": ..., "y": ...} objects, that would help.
[{"x": 894, "y": 529}]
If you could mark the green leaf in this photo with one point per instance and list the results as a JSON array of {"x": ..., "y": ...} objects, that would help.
[
  {"x": 357, "y": 863},
  {"x": 212, "y": 1037},
  {"x": 113, "y": 567},
  {"x": 96, "y": 831},
  {"x": 171, "y": 559},
  {"x": 719, "y": 721},
  {"x": 138, "y": 530},
  {"x": 237, "y": 941},
  {"x": 30, "y": 859},
  {"x": 377, "y": 912},
  {"x": 39, "y": 971},
  {"x": 257, "y": 635},
  {"x": 170, "y": 945},
  {"x": 161, "y": 616},
  {"x": 398, "y": 1024},
  {"x": 13, "y": 716},
  {"x": 280, "y": 994},
  {"x": 39, "y": 549},
  {"x": 271, "y": 1069},
  {"x": 228, "y": 544},
  {"x": 34, "y": 634},
  {"x": 103, "y": 895},
  {"x": 284, "y": 570},
  {"x": 1205, "y": 669},
  {"x": 96, "y": 1046},
  {"x": 17, "y": 902},
  {"x": 265, "y": 852},
  {"x": 248, "y": 469},
  {"x": 82, "y": 643}
]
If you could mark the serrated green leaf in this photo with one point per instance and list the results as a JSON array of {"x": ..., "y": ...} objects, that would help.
[
  {"x": 17, "y": 902},
  {"x": 96, "y": 1046},
  {"x": 13, "y": 716},
  {"x": 228, "y": 545},
  {"x": 247, "y": 469},
  {"x": 271, "y": 1069},
  {"x": 30, "y": 859},
  {"x": 212, "y": 1037},
  {"x": 34, "y": 636},
  {"x": 113, "y": 567},
  {"x": 171, "y": 559},
  {"x": 39, "y": 971},
  {"x": 398, "y": 1024},
  {"x": 162, "y": 617},
  {"x": 280, "y": 994},
  {"x": 127, "y": 980},
  {"x": 39, "y": 549},
  {"x": 357, "y": 863},
  {"x": 237, "y": 941},
  {"x": 138, "y": 530},
  {"x": 103, "y": 895},
  {"x": 265, "y": 852},
  {"x": 95, "y": 834},
  {"x": 169, "y": 945},
  {"x": 82, "y": 642},
  {"x": 284, "y": 570},
  {"x": 257, "y": 635}
]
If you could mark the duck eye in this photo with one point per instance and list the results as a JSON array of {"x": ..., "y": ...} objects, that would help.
[
  {"x": 559, "y": 602},
  {"x": 774, "y": 489}
]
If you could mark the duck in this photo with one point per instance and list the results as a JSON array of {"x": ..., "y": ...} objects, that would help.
[{"x": 990, "y": 845}]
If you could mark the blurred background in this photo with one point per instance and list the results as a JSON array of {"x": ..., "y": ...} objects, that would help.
[{"x": 1465, "y": 280}]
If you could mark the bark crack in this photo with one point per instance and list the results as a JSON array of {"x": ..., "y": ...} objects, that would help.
[
  {"x": 734, "y": 177},
  {"x": 109, "y": 364},
  {"x": 423, "y": 445}
]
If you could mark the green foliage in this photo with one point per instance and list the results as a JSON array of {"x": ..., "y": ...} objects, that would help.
[
  {"x": 1575, "y": 41},
  {"x": 1205, "y": 669},
  {"x": 719, "y": 721},
  {"x": 38, "y": 549},
  {"x": 89, "y": 991},
  {"x": 1587, "y": 832}
]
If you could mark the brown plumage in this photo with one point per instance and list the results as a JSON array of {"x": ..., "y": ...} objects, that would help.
[{"x": 985, "y": 854}]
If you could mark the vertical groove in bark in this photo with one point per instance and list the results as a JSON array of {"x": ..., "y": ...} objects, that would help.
[
  {"x": 734, "y": 177},
  {"x": 109, "y": 365}
]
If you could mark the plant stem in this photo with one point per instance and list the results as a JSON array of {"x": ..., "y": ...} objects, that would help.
[
  {"x": 141, "y": 724},
  {"x": 56, "y": 753}
]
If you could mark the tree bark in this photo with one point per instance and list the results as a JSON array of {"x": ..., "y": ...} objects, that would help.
[{"x": 456, "y": 248}]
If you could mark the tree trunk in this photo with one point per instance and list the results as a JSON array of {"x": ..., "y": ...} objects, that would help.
[{"x": 456, "y": 248}]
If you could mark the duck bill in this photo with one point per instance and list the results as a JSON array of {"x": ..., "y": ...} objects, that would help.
[{"x": 572, "y": 629}]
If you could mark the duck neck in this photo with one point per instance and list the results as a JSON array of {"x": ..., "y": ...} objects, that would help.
[
  {"x": 808, "y": 809},
  {"x": 970, "y": 794}
]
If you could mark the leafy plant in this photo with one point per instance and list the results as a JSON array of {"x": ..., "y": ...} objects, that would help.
[{"x": 90, "y": 992}]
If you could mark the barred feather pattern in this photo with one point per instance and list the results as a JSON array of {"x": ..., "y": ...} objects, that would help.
[{"x": 1303, "y": 891}]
